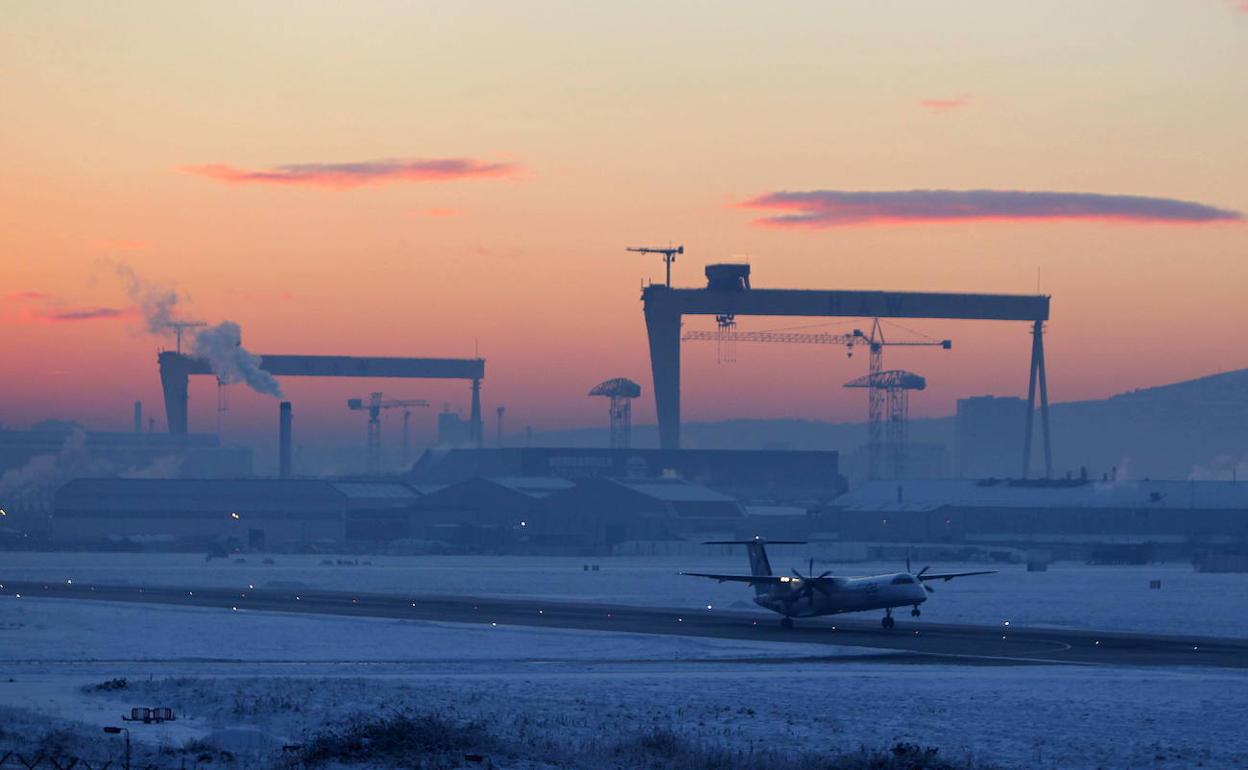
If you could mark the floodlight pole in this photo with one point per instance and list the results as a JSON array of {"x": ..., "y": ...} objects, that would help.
[{"x": 126, "y": 733}]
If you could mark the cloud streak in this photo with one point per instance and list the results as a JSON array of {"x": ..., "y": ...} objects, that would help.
[
  {"x": 817, "y": 209},
  {"x": 939, "y": 106},
  {"x": 347, "y": 176},
  {"x": 85, "y": 314}
]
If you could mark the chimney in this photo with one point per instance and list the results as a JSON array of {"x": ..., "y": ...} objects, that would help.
[
  {"x": 283, "y": 440},
  {"x": 138, "y": 416}
]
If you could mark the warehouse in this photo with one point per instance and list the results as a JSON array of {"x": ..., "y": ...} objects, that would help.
[
  {"x": 599, "y": 514},
  {"x": 480, "y": 512},
  {"x": 1173, "y": 516},
  {"x": 251, "y": 513}
]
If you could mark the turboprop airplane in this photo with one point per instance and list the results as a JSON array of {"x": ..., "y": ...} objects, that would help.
[{"x": 809, "y": 596}]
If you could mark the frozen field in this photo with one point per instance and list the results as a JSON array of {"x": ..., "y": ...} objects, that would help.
[
  {"x": 257, "y": 680},
  {"x": 1068, "y": 595}
]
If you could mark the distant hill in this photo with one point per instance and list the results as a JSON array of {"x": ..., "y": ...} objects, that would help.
[{"x": 1192, "y": 429}]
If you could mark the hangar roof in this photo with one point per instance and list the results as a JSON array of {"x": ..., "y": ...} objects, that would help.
[{"x": 1012, "y": 493}]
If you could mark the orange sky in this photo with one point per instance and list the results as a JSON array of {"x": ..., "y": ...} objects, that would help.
[{"x": 579, "y": 129}]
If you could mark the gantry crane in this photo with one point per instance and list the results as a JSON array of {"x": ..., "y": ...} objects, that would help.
[
  {"x": 877, "y": 386},
  {"x": 376, "y": 402}
]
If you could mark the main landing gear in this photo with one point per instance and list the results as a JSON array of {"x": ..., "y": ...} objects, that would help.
[
  {"x": 887, "y": 621},
  {"x": 914, "y": 613},
  {"x": 786, "y": 622}
]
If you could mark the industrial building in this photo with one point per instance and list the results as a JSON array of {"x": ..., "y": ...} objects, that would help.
[
  {"x": 253, "y": 513},
  {"x": 34, "y": 463},
  {"x": 481, "y": 512},
  {"x": 742, "y": 474},
  {"x": 988, "y": 431},
  {"x": 1173, "y": 518},
  {"x": 598, "y": 514}
]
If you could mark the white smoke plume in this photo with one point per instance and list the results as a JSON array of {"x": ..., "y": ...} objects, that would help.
[
  {"x": 221, "y": 346},
  {"x": 157, "y": 303},
  {"x": 30, "y": 488}
]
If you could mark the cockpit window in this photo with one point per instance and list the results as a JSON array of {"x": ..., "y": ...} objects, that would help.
[{"x": 902, "y": 580}]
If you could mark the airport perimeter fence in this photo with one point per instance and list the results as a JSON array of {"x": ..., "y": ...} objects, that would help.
[{"x": 41, "y": 761}]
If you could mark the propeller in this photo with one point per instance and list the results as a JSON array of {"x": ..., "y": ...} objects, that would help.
[
  {"x": 926, "y": 587},
  {"x": 919, "y": 576},
  {"x": 810, "y": 584}
]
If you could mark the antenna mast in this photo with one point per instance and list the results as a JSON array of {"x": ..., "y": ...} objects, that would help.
[{"x": 669, "y": 256}]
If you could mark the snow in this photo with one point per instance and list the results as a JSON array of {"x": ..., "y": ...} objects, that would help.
[
  {"x": 242, "y": 679},
  {"x": 1067, "y": 595}
]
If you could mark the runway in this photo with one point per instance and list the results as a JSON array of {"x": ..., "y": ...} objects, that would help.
[{"x": 925, "y": 641}]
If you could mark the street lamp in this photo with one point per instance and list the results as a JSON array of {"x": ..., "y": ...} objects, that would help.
[{"x": 114, "y": 731}]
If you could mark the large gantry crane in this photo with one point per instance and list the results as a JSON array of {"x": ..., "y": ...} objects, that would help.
[
  {"x": 665, "y": 307},
  {"x": 376, "y": 402}
]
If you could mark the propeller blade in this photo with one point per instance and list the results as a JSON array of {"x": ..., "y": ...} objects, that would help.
[
  {"x": 825, "y": 574},
  {"x": 929, "y": 589},
  {"x": 907, "y": 564},
  {"x": 925, "y": 569}
]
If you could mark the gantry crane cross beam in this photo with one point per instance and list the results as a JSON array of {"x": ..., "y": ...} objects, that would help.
[{"x": 376, "y": 402}]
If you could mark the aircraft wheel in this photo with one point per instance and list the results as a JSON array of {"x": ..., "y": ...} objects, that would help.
[
  {"x": 786, "y": 622},
  {"x": 914, "y": 613},
  {"x": 887, "y": 621}
]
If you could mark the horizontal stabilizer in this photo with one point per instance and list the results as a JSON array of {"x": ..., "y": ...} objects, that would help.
[
  {"x": 757, "y": 580},
  {"x": 947, "y": 576},
  {"x": 755, "y": 541}
]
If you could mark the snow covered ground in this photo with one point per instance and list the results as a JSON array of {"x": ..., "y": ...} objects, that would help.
[
  {"x": 1068, "y": 595},
  {"x": 241, "y": 679}
]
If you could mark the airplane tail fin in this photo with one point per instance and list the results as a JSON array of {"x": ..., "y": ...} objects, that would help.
[{"x": 760, "y": 565}]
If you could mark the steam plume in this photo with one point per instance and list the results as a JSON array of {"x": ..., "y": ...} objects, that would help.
[{"x": 220, "y": 345}]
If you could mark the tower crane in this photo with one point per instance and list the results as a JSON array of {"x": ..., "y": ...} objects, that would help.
[
  {"x": 896, "y": 385},
  {"x": 621, "y": 391},
  {"x": 376, "y": 402},
  {"x": 876, "y": 384},
  {"x": 669, "y": 256}
]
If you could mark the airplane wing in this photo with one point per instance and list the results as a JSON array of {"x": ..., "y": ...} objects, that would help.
[
  {"x": 947, "y": 576},
  {"x": 752, "y": 579}
]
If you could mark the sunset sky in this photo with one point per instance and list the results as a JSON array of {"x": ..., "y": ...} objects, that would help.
[{"x": 436, "y": 179}]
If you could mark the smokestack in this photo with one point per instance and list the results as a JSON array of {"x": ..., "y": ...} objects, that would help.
[
  {"x": 283, "y": 439},
  {"x": 138, "y": 416}
]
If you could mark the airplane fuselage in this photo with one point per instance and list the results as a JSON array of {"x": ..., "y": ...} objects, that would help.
[{"x": 843, "y": 594}]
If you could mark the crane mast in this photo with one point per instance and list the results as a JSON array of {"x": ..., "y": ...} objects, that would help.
[{"x": 375, "y": 403}]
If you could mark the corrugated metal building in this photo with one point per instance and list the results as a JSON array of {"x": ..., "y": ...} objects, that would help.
[
  {"x": 1178, "y": 513},
  {"x": 257, "y": 513}
]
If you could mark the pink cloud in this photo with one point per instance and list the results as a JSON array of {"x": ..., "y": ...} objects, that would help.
[
  {"x": 439, "y": 213},
  {"x": 74, "y": 315},
  {"x": 346, "y": 176},
  {"x": 26, "y": 296},
  {"x": 939, "y": 106},
  {"x": 817, "y": 209}
]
